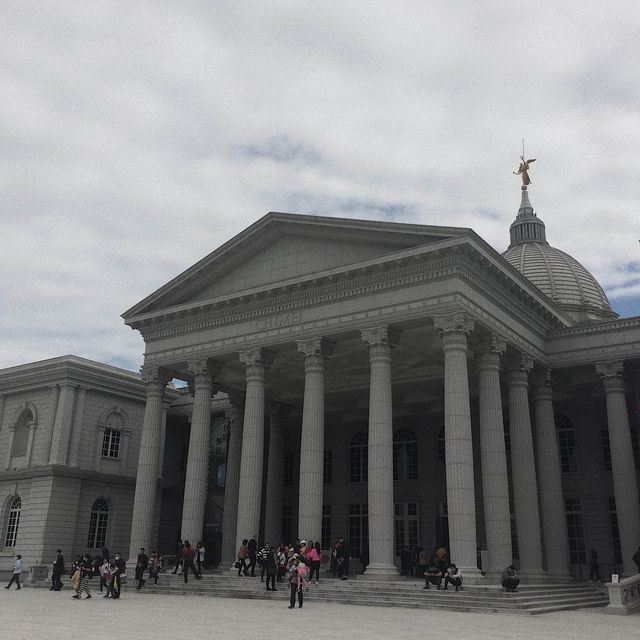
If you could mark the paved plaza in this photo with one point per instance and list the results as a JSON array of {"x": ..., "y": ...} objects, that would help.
[{"x": 37, "y": 614}]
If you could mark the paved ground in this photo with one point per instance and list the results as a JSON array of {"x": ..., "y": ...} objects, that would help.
[{"x": 38, "y": 614}]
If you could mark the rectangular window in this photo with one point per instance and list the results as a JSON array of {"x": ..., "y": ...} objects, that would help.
[
  {"x": 111, "y": 443},
  {"x": 287, "y": 524},
  {"x": 325, "y": 542},
  {"x": 615, "y": 532},
  {"x": 328, "y": 467},
  {"x": 288, "y": 469},
  {"x": 567, "y": 447},
  {"x": 358, "y": 527},
  {"x": 405, "y": 525},
  {"x": 575, "y": 530}
]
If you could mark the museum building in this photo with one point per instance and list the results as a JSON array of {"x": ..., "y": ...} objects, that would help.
[{"x": 395, "y": 384}]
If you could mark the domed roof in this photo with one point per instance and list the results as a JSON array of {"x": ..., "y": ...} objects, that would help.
[{"x": 558, "y": 275}]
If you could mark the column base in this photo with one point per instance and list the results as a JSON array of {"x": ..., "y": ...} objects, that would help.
[
  {"x": 381, "y": 572},
  {"x": 540, "y": 577},
  {"x": 472, "y": 575}
]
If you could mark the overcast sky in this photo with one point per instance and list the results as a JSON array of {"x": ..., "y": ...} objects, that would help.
[{"x": 136, "y": 137}]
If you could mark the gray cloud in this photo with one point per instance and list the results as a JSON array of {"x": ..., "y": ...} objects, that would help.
[{"x": 138, "y": 137}]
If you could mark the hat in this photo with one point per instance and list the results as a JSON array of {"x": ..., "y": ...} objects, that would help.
[{"x": 303, "y": 542}]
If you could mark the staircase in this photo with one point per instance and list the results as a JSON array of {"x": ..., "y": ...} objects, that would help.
[{"x": 529, "y": 600}]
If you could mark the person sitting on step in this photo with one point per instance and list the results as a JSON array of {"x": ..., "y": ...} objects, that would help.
[
  {"x": 510, "y": 579},
  {"x": 453, "y": 576}
]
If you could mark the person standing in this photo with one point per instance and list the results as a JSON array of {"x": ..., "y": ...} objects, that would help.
[
  {"x": 241, "y": 561},
  {"x": 188, "y": 554},
  {"x": 116, "y": 577},
  {"x": 105, "y": 554},
  {"x": 200, "y": 551},
  {"x": 292, "y": 577},
  {"x": 58, "y": 570},
  {"x": 270, "y": 565},
  {"x": 142, "y": 563},
  {"x": 155, "y": 566},
  {"x": 15, "y": 572},
  {"x": 315, "y": 558},
  {"x": 252, "y": 548},
  {"x": 179, "y": 548},
  {"x": 86, "y": 571}
]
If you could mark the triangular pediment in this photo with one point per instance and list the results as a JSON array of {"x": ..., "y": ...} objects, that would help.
[{"x": 282, "y": 248}]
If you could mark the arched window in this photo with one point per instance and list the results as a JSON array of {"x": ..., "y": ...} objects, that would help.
[
  {"x": 20, "y": 444},
  {"x": 113, "y": 425},
  {"x": 97, "y": 537},
  {"x": 566, "y": 444},
  {"x": 405, "y": 454},
  {"x": 14, "y": 522},
  {"x": 359, "y": 457}
]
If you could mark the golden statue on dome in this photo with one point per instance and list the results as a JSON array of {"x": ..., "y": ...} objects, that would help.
[{"x": 523, "y": 169}]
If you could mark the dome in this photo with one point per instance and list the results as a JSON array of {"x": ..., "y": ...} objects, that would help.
[{"x": 558, "y": 275}]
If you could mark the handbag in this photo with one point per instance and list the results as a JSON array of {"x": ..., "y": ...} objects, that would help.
[{"x": 237, "y": 564}]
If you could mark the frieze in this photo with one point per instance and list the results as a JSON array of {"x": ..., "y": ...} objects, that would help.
[{"x": 279, "y": 320}]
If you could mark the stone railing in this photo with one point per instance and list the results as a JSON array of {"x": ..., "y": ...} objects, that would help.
[{"x": 624, "y": 596}]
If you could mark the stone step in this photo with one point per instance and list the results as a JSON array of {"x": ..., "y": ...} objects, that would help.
[{"x": 529, "y": 600}]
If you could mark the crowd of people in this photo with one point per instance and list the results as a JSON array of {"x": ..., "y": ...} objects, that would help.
[{"x": 297, "y": 562}]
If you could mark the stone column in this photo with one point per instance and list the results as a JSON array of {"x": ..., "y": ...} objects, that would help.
[
  {"x": 311, "y": 485},
  {"x": 380, "y": 453},
  {"x": 250, "y": 489},
  {"x": 525, "y": 491},
  {"x": 495, "y": 479},
  {"x": 552, "y": 510},
  {"x": 273, "y": 500},
  {"x": 196, "y": 479},
  {"x": 461, "y": 499},
  {"x": 625, "y": 483},
  {"x": 155, "y": 380},
  {"x": 231, "y": 483},
  {"x": 62, "y": 425}
]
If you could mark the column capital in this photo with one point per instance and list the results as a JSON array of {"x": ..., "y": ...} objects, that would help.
[
  {"x": 381, "y": 335},
  {"x": 153, "y": 375},
  {"x": 454, "y": 322},
  {"x": 203, "y": 367},
  {"x": 518, "y": 362},
  {"x": 612, "y": 375},
  {"x": 542, "y": 384},
  {"x": 491, "y": 344},
  {"x": 257, "y": 356},
  {"x": 316, "y": 347},
  {"x": 610, "y": 369}
]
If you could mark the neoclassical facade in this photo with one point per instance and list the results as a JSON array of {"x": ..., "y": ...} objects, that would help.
[
  {"x": 392, "y": 383},
  {"x": 449, "y": 393}
]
